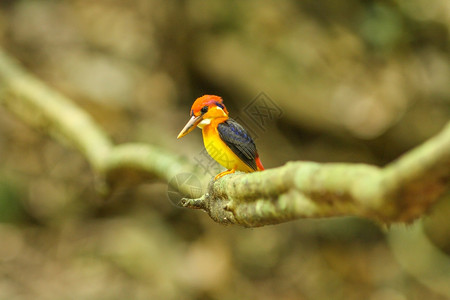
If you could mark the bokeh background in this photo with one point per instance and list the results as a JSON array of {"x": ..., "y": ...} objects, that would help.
[{"x": 356, "y": 81}]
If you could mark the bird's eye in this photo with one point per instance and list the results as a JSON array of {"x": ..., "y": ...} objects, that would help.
[{"x": 204, "y": 109}]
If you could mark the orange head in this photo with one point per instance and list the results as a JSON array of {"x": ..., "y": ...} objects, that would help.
[{"x": 203, "y": 110}]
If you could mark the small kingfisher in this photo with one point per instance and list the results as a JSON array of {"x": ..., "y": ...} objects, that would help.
[{"x": 225, "y": 139}]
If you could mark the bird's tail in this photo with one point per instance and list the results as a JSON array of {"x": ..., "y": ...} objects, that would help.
[{"x": 258, "y": 163}]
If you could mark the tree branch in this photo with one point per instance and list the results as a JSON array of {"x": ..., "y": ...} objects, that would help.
[
  {"x": 144, "y": 161},
  {"x": 40, "y": 106},
  {"x": 399, "y": 192}
]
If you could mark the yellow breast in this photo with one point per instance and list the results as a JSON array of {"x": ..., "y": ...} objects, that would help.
[{"x": 220, "y": 152}]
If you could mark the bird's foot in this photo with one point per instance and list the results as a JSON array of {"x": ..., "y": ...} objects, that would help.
[{"x": 224, "y": 173}]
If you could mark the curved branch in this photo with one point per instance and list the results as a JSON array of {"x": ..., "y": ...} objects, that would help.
[
  {"x": 40, "y": 106},
  {"x": 44, "y": 108},
  {"x": 147, "y": 160},
  {"x": 400, "y": 192}
]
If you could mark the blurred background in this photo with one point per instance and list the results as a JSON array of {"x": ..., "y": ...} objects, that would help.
[{"x": 350, "y": 81}]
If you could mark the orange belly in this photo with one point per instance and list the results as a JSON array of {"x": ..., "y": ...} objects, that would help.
[{"x": 220, "y": 152}]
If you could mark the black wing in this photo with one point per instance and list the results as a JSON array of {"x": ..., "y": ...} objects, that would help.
[{"x": 239, "y": 141}]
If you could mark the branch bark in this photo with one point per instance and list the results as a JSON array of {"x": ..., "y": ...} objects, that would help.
[{"x": 399, "y": 192}]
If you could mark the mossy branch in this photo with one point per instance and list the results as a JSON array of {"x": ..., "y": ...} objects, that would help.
[{"x": 399, "y": 192}]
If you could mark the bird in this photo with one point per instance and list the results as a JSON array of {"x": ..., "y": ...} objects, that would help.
[{"x": 225, "y": 140}]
